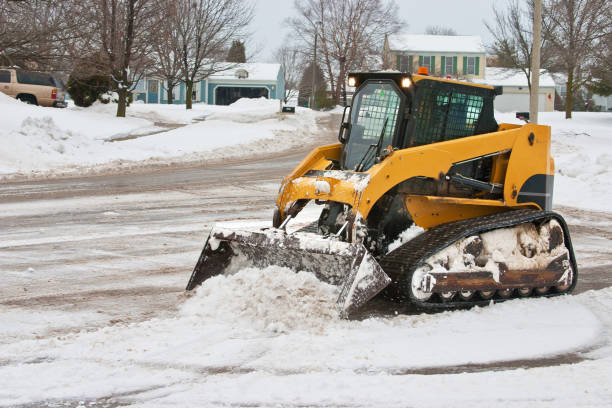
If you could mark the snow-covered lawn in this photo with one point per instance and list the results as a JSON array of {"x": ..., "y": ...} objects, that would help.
[{"x": 39, "y": 141}]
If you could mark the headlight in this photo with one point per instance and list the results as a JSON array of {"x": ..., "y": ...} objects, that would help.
[
  {"x": 352, "y": 81},
  {"x": 406, "y": 82}
]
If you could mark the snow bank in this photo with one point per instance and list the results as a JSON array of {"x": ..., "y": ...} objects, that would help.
[{"x": 46, "y": 141}]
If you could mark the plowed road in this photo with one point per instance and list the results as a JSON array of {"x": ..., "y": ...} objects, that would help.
[{"x": 124, "y": 245}]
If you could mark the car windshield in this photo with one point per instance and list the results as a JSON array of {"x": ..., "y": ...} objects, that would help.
[{"x": 374, "y": 112}]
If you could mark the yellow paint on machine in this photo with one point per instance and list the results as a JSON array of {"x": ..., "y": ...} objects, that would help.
[{"x": 529, "y": 154}]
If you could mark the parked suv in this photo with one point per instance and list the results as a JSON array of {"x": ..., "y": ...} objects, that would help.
[{"x": 32, "y": 87}]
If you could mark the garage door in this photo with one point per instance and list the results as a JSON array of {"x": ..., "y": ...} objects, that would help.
[
  {"x": 517, "y": 102},
  {"x": 226, "y": 95}
]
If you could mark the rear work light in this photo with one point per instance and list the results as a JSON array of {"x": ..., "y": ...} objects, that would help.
[{"x": 54, "y": 94}]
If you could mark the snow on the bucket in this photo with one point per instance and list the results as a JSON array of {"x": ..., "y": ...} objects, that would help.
[{"x": 273, "y": 299}]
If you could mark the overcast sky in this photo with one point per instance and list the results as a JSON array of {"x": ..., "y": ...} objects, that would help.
[{"x": 465, "y": 16}]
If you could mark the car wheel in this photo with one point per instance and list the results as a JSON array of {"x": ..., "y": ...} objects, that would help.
[{"x": 29, "y": 99}]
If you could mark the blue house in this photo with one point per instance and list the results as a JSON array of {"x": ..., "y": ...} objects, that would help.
[{"x": 248, "y": 80}]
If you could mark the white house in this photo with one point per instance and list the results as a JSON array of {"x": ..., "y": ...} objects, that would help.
[
  {"x": 516, "y": 90},
  {"x": 460, "y": 56}
]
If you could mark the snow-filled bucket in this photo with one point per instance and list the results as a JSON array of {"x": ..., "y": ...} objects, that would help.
[{"x": 349, "y": 266}]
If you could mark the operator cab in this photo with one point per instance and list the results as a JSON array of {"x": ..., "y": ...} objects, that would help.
[
  {"x": 375, "y": 118},
  {"x": 403, "y": 110}
]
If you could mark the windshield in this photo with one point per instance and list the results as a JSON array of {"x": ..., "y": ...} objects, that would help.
[{"x": 374, "y": 112}]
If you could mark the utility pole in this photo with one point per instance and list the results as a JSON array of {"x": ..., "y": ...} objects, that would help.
[
  {"x": 312, "y": 104},
  {"x": 535, "y": 62}
]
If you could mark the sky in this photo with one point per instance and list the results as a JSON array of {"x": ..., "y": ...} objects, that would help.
[{"x": 465, "y": 16}]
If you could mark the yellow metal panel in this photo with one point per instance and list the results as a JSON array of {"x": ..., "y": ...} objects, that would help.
[
  {"x": 429, "y": 211},
  {"x": 529, "y": 157},
  {"x": 432, "y": 161}
]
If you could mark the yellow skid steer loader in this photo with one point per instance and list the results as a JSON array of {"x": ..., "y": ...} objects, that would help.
[{"x": 415, "y": 150}]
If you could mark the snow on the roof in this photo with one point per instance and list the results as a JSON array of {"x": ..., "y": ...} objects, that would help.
[
  {"x": 256, "y": 71},
  {"x": 436, "y": 43},
  {"x": 513, "y": 77}
]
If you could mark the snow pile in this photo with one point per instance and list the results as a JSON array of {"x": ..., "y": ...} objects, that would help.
[
  {"x": 249, "y": 329},
  {"x": 274, "y": 299},
  {"x": 247, "y": 110}
]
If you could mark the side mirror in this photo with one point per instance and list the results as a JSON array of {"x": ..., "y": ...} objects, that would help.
[{"x": 344, "y": 132}]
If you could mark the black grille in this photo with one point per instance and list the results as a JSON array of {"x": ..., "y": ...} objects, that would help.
[{"x": 444, "y": 111}]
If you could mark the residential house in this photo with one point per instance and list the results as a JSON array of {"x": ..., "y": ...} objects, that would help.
[
  {"x": 515, "y": 96},
  {"x": 460, "y": 56},
  {"x": 599, "y": 102},
  {"x": 248, "y": 80}
]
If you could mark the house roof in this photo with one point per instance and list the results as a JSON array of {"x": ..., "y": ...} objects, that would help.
[
  {"x": 437, "y": 43},
  {"x": 513, "y": 77},
  {"x": 256, "y": 72}
]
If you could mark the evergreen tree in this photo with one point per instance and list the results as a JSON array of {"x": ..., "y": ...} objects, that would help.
[
  {"x": 236, "y": 52},
  {"x": 306, "y": 84}
]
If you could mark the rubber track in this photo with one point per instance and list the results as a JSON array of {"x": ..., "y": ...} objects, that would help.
[{"x": 400, "y": 263}]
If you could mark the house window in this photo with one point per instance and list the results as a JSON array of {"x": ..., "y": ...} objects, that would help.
[
  {"x": 448, "y": 66},
  {"x": 195, "y": 93},
  {"x": 427, "y": 62},
  {"x": 140, "y": 86},
  {"x": 405, "y": 64},
  {"x": 470, "y": 68}
]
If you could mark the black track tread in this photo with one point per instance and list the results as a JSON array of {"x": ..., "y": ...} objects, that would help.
[{"x": 400, "y": 263}]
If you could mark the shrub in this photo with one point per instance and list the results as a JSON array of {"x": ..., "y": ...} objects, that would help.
[{"x": 85, "y": 91}]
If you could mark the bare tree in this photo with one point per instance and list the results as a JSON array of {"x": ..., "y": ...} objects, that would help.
[
  {"x": 166, "y": 52},
  {"x": 577, "y": 28},
  {"x": 601, "y": 67},
  {"x": 291, "y": 64},
  {"x": 205, "y": 30},
  {"x": 512, "y": 32},
  {"x": 351, "y": 34},
  {"x": 122, "y": 31},
  {"x": 439, "y": 30},
  {"x": 34, "y": 34}
]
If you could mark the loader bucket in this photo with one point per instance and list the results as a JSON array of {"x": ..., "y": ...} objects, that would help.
[{"x": 349, "y": 266}]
